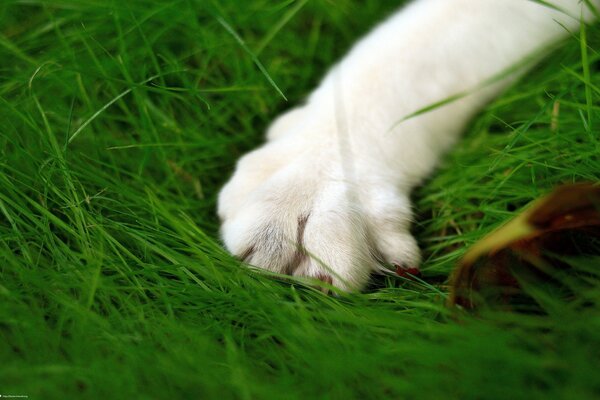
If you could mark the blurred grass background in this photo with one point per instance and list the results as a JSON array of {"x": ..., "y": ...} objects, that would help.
[{"x": 119, "y": 121}]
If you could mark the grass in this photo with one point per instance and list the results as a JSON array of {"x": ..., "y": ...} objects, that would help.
[{"x": 119, "y": 123}]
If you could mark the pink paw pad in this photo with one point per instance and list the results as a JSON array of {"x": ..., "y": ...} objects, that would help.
[{"x": 407, "y": 272}]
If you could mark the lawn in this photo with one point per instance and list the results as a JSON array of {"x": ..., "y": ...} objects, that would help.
[{"x": 120, "y": 121}]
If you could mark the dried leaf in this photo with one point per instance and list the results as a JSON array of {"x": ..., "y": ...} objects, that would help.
[{"x": 487, "y": 271}]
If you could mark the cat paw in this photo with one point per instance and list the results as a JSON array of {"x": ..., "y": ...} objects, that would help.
[{"x": 294, "y": 207}]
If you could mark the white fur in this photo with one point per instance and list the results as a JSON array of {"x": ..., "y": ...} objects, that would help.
[{"x": 343, "y": 164}]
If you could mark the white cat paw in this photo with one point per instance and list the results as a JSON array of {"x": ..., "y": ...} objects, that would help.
[{"x": 291, "y": 208}]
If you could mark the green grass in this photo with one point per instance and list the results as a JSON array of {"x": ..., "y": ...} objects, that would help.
[{"x": 120, "y": 120}]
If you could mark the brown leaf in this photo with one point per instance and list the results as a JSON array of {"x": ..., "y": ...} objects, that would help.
[{"x": 486, "y": 270}]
